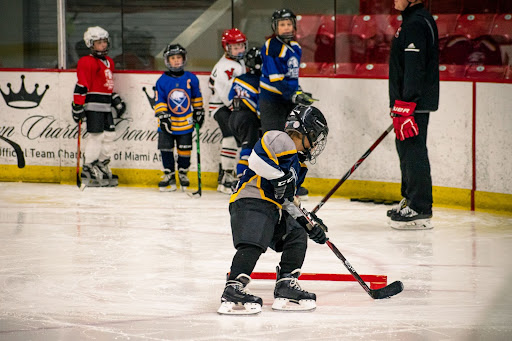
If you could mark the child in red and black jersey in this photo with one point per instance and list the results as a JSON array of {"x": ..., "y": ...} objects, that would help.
[{"x": 93, "y": 99}]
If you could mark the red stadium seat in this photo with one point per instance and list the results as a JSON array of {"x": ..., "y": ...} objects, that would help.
[
  {"x": 346, "y": 68},
  {"x": 364, "y": 26},
  {"x": 486, "y": 72},
  {"x": 502, "y": 28},
  {"x": 473, "y": 26},
  {"x": 344, "y": 23},
  {"x": 452, "y": 71},
  {"x": 446, "y": 24},
  {"x": 372, "y": 70}
]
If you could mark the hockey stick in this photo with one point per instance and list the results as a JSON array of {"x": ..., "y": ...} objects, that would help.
[
  {"x": 79, "y": 183},
  {"x": 19, "y": 153},
  {"x": 352, "y": 169},
  {"x": 388, "y": 291},
  {"x": 199, "y": 192}
]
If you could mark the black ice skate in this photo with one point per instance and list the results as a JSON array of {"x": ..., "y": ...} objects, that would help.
[
  {"x": 303, "y": 192},
  {"x": 409, "y": 219},
  {"x": 168, "y": 184},
  {"x": 397, "y": 208},
  {"x": 184, "y": 181},
  {"x": 236, "y": 300},
  {"x": 112, "y": 180},
  {"x": 288, "y": 294},
  {"x": 92, "y": 176}
]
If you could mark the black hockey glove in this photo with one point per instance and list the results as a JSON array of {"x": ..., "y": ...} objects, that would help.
[
  {"x": 165, "y": 121},
  {"x": 78, "y": 112},
  {"x": 199, "y": 117},
  {"x": 284, "y": 187},
  {"x": 317, "y": 231},
  {"x": 300, "y": 97},
  {"x": 118, "y": 104}
]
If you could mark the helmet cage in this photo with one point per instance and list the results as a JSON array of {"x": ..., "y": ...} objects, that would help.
[
  {"x": 231, "y": 37},
  {"x": 309, "y": 121},
  {"x": 284, "y": 14},
  {"x": 175, "y": 49}
]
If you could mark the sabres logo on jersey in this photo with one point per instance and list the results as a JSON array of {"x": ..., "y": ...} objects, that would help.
[{"x": 178, "y": 101}]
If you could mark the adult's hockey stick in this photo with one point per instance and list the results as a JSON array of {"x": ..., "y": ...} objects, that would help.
[
  {"x": 199, "y": 192},
  {"x": 352, "y": 169},
  {"x": 19, "y": 153},
  {"x": 388, "y": 291}
]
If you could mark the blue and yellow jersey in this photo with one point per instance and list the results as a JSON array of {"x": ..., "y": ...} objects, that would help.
[
  {"x": 246, "y": 87},
  {"x": 280, "y": 71},
  {"x": 273, "y": 155},
  {"x": 178, "y": 96}
]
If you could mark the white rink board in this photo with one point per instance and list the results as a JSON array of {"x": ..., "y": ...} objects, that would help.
[
  {"x": 494, "y": 141},
  {"x": 356, "y": 110}
]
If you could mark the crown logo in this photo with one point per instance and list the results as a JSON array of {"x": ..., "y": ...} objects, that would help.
[
  {"x": 151, "y": 100},
  {"x": 23, "y": 99}
]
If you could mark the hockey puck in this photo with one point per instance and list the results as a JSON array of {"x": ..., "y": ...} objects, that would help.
[
  {"x": 388, "y": 202},
  {"x": 378, "y": 201},
  {"x": 365, "y": 200},
  {"x": 354, "y": 199}
]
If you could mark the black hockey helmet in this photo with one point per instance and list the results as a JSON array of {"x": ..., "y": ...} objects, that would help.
[
  {"x": 311, "y": 123},
  {"x": 171, "y": 50},
  {"x": 253, "y": 60},
  {"x": 283, "y": 14}
]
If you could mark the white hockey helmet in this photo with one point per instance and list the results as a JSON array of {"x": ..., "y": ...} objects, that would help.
[{"x": 93, "y": 34}]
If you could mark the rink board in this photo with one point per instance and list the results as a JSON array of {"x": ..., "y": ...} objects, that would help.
[{"x": 356, "y": 110}]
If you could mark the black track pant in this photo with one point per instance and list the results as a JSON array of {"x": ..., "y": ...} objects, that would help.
[{"x": 415, "y": 167}]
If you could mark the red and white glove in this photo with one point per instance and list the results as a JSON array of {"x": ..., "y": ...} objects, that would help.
[{"x": 403, "y": 121}]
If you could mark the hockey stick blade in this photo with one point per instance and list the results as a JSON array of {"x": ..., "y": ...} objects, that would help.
[
  {"x": 388, "y": 291},
  {"x": 19, "y": 153},
  {"x": 195, "y": 195}
]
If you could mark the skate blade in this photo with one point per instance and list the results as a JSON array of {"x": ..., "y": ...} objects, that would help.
[
  {"x": 224, "y": 189},
  {"x": 231, "y": 308},
  {"x": 420, "y": 224},
  {"x": 87, "y": 182},
  {"x": 167, "y": 189},
  {"x": 284, "y": 304}
]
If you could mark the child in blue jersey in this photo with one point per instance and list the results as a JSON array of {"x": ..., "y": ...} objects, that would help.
[
  {"x": 280, "y": 90},
  {"x": 178, "y": 107},
  {"x": 244, "y": 121},
  {"x": 263, "y": 216}
]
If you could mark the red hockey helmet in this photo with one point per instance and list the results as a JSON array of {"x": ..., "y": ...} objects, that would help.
[{"x": 233, "y": 36}]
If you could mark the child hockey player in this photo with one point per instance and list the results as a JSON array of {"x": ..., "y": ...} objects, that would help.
[
  {"x": 229, "y": 66},
  {"x": 280, "y": 90},
  {"x": 244, "y": 121},
  {"x": 178, "y": 106},
  {"x": 93, "y": 99},
  {"x": 263, "y": 216}
]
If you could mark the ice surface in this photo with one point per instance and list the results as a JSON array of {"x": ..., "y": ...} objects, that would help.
[{"x": 136, "y": 264}]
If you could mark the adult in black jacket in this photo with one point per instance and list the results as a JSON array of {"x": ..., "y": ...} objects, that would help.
[{"x": 413, "y": 94}]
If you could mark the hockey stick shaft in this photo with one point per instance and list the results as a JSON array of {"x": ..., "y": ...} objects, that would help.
[
  {"x": 78, "y": 180},
  {"x": 352, "y": 169},
  {"x": 388, "y": 291},
  {"x": 198, "y": 149},
  {"x": 19, "y": 153}
]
